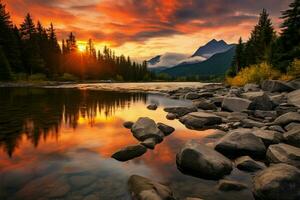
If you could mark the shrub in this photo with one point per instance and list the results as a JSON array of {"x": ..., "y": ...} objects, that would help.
[
  {"x": 68, "y": 77},
  {"x": 294, "y": 69},
  {"x": 37, "y": 77},
  {"x": 254, "y": 74}
]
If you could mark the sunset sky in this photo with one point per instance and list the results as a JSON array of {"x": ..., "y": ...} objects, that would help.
[{"x": 145, "y": 28}]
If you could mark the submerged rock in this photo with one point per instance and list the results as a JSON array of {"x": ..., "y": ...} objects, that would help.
[
  {"x": 200, "y": 120},
  {"x": 171, "y": 116},
  {"x": 235, "y": 104},
  {"x": 166, "y": 129},
  {"x": 248, "y": 164},
  {"x": 241, "y": 142},
  {"x": 280, "y": 181},
  {"x": 146, "y": 128},
  {"x": 201, "y": 161},
  {"x": 142, "y": 188},
  {"x": 284, "y": 153},
  {"x": 180, "y": 111},
  {"x": 276, "y": 86},
  {"x": 129, "y": 152},
  {"x": 152, "y": 107},
  {"x": 128, "y": 124},
  {"x": 227, "y": 185}
]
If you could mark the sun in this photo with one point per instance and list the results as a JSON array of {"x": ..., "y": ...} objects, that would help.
[{"x": 81, "y": 48}]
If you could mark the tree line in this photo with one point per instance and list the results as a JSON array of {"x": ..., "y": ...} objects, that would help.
[
  {"x": 265, "y": 45},
  {"x": 31, "y": 50}
]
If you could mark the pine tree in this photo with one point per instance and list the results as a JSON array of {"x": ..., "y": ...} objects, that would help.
[
  {"x": 54, "y": 59},
  {"x": 31, "y": 52},
  {"x": 288, "y": 45},
  {"x": 5, "y": 71},
  {"x": 238, "y": 60},
  {"x": 9, "y": 41}
]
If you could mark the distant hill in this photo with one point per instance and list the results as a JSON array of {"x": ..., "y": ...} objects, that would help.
[
  {"x": 154, "y": 61},
  {"x": 211, "y": 48},
  {"x": 215, "y": 65}
]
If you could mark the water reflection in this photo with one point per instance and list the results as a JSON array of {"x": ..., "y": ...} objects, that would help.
[{"x": 57, "y": 143}]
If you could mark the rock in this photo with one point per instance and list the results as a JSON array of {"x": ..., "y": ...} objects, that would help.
[
  {"x": 91, "y": 197},
  {"x": 246, "y": 163},
  {"x": 235, "y": 104},
  {"x": 204, "y": 105},
  {"x": 217, "y": 134},
  {"x": 249, "y": 123},
  {"x": 192, "y": 96},
  {"x": 227, "y": 185},
  {"x": 292, "y": 137},
  {"x": 180, "y": 111},
  {"x": 284, "y": 153},
  {"x": 80, "y": 181},
  {"x": 192, "y": 198},
  {"x": 264, "y": 114},
  {"x": 295, "y": 83},
  {"x": 200, "y": 120},
  {"x": 152, "y": 107},
  {"x": 268, "y": 137},
  {"x": 260, "y": 101},
  {"x": 167, "y": 130},
  {"x": 171, "y": 116},
  {"x": 201, "y": 161},
  {"x": 128, "y": 124},
  {"x": 146, "y": 128},
  {"x": 276, "y": 86},
  {"x": 129, "y": 152},
  {"x": 287, "y": 118},
  {"x": 237, "y": 116},
  {"x": 241, "y": 142},
  {"x": 206, "y": 94},
  {"x": 280, "y": 181},
  {"x": 292, "y": 126},
  {"x": 279, "y": 98},
  {"x": 150, "y": 143},
  {"x": 142, "y": 188},
  {"x": 250, "y": 87},
  {"x": 294, "y": 98},
  {"x": 276, "y": 128},
  {"x": 217, "y": 100}
]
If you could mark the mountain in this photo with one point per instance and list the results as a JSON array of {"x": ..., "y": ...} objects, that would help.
[
  {"x": 154, "y": 61},
  {"x": 211, "y": 48},
  {"x": 215, "y": 65}
]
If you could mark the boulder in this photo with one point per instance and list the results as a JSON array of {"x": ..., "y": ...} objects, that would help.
[
  {"x": 152, "y": 107},
  {"x": 206, "y": 94},
  {"x": 246, "y": 163},
  {"x": 192, "y": 96},
  {"x": 268, "y": 137},
  {"x": 279, "y": 98},
  {"x": 295, "y": 83},
  {"x": 204, "y": 105},
  {"x": 216, "y": 135},
  {"x": 217, "y": 100},
  {"x": 171, "y": 116},
  {"x": 292, "y": 137},
  {"x": 237, "y": 116},
  {"x": 180, "y": 111},
  {"x": 241, "y": 142},
  {"x": 150, "y": 143},
  {"x": 129, "y": 152},
  {"x": 276, "y": 86},
  {"x": 263, "y": 114},
  {"x": 292, "y": 126},
  {"x": 145, "y": 128},
  {"x": 294, "y": 98},
  {"x": 260, "y": 101},
  {"x": 249, "y": 123},
  {"x": 276, "y": 128},
  {"x": 141, "y": 188},
  {"x": 235, "y": 104},
  {"x": 228, "y": 185},
  {"x": 192, "y": 198},
  {"x": 284, "y": 153},
  {"x": 201, "y": 161},
  {"x": 128, "y": 124},
  {"x": 166, "y": 129},
  {"x": 280, "y": 181},
  {"x": 250, "y": 87},
  {"x": 287, "y": 118},
  {"x": 200, "y": 120}
]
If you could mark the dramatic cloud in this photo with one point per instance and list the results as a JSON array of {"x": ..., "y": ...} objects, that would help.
[{"x": 128, "y": 24}]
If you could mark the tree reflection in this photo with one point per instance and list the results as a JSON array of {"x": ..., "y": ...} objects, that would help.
[{"x": 38, "y": 113}]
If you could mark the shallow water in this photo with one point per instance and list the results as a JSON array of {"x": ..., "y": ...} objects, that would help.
[{"x": 57, "y": 143}]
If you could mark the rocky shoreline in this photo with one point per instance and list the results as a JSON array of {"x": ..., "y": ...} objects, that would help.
[{"x": 259, "y": 133}]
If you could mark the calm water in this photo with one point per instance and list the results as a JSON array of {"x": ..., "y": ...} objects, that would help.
[{"x": 57, "y": 143}]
